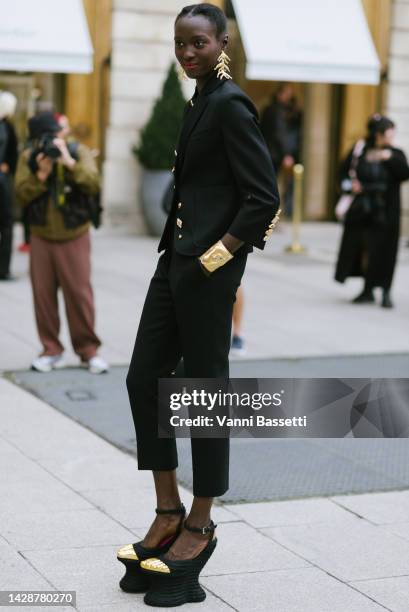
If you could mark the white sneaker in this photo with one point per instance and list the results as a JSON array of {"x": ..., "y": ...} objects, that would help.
[
  {"x": 46, "y": 363},
  {"x": 97, "y": 365}
]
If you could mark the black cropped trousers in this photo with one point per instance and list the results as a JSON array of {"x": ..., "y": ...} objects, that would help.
[{"x": 186, "y": 314}]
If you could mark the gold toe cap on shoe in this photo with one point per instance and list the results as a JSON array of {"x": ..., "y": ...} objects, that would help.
[
  {"x": 155, "y": 565},
  {"x": 127, "y": 552}
]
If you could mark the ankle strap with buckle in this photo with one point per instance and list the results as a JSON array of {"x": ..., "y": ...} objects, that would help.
[
  {"x": 203, "y": 530},
  {"x": 180, "y": 510}
]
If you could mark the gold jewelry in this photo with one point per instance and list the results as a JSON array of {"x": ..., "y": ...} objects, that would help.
[
  {"x": 272, "y": 225},
  {"x": 215, "y": 257},
  {"x": 182, "y": 74},
  {"x": 222, "y": 66}
]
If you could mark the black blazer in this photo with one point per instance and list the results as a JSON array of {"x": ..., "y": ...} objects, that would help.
[{"x": 224, "y": 176}]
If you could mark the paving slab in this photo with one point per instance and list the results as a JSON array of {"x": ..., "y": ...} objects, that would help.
[
  {"x": 400, "y": 529},
  {"x": 393, "y": 593},
  {"x": 93, "y": 572},
  {"x": 378, "y": 508},
  {"x": 306, "y": 589},
  {"x": 243, "y": 549},
  {"x": 63, "y": 529},
  {"x": 37, "y": 440},
  {"x": 35, "y": 437},
  {"x": 17, "y": 573},
  {"x": 294, "y": 512},
  {"x": 107, "y": 470},
  {"x": 359, "y": 551},
  {"x": 7, "y": 449},
  {"x": 19, "y": 469},
  {"x": 210, "y": 604},
  {"x": 38, "y": 495}
]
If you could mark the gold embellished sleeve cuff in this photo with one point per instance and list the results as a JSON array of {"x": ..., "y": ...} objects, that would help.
[{"x": 215, "y": 257}]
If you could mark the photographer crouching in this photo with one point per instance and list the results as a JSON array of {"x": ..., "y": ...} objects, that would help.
[{"x": 58, "y": 184}]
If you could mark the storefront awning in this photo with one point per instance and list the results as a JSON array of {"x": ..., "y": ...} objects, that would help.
[
  {"x": 44, "y": 36},
  {"x": 319, "y": 41}
]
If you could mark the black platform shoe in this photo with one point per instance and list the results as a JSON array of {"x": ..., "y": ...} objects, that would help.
[
  {"x": 386, "y": 300},
  {"x": 131, "y": 555},
  {"x": 366, "y": 297},
  {"x": 173, "y": 583}
]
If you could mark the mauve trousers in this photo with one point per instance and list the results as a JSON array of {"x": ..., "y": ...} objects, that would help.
[
  {"x": 66, "y": 265},
  {"x": 186, "y": 314}
]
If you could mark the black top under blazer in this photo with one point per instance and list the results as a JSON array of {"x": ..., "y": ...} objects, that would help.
[{"x": 224, "y": 176}]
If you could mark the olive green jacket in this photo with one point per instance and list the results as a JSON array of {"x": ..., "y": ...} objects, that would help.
[{"x": 28, "y": 187}]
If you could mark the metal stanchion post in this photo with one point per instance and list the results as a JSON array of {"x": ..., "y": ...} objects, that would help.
[{"x": 295, "y": 246}]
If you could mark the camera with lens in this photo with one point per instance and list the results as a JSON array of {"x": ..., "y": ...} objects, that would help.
[
  {"x": 47, "y": 146},
  {"x": 43, "y": 144}
]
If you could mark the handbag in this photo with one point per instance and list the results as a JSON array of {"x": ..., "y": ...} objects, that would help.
[
  {"x": 343, "y": 205},
  {"x": 345, "y": 201}
]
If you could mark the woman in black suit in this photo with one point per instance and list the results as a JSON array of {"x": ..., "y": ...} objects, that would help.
[{"x": 225, "y": 202}]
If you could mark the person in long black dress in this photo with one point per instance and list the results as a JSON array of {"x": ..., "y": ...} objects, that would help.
[
  {"x": 370, "y": 239},
  {"x": 225, "y": 203}
]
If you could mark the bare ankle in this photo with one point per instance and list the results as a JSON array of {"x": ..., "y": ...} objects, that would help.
[
  {"x": 168, "y": 503},
  {"x": 198, "y": 520}
]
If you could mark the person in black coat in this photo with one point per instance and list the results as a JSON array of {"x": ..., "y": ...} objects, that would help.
[
  {"x": 280, "y": 124},
  {"x": 225, "y": 203},
  {"x": 8, "y": 163},
  {"x": 370, "y": 239}
]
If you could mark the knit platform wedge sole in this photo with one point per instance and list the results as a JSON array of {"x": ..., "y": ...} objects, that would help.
[
  {"x": 181, "y": 584},
  {"x": 133, "y": 581},
  {"x": 175, "y": 592},
  {"x": 131, "y": 555}
]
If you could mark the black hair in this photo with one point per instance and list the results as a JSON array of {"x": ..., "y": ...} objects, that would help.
[
  {"x": 377, "y": 124},
  {"x": 213, "y": 13}
]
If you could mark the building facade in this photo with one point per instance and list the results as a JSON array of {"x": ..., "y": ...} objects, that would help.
[
  {"x": 397, "y": 95},
  {"x": 335, "y": 115},
  {"x": 133, "y": 48},
  {"x": 142, "y": 50}
]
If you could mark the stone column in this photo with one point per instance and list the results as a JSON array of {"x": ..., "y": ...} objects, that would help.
[
  {"x": 316, "y": 153},
  {"x": 397, "y": 104},
  {"x": 142, "y": 50}
]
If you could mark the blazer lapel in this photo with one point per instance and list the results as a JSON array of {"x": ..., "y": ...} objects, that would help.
[
  {"x": 191, "y": 118},
  {"x": 193, "y": 112}
]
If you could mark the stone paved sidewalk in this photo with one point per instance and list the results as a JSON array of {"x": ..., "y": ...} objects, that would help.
[
  {"x": 293, "y": 308},
  {"x": 70, "y": 499}
]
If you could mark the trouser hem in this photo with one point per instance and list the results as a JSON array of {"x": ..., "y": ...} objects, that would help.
[
  {"x": 210, "y": 492},
  {"x": 157, "y": 468}
]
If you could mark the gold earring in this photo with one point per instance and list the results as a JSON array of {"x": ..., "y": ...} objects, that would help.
[
  {"x": 182, "y": 74},
  {"x": 222, "y": 66}
]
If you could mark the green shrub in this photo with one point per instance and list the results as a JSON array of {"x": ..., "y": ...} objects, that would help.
[{"x": 158, "y": 137}]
